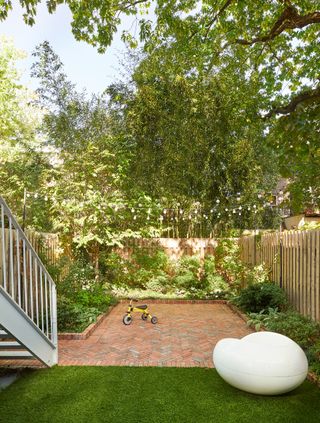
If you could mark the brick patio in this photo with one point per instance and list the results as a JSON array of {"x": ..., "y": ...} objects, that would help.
[{"x": 184, "y": 336}]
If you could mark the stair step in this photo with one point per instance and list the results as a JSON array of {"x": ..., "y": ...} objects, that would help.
[
  {"x": 11, "y": 346},
  {"x": 15, "y": 355},
  {"x": 5, "y": 335}
]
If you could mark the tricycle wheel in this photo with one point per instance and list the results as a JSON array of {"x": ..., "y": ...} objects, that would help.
[
  {"x": 154, "y": 320},
  {"x": 144, "y": 316},
  {"x": 127, "y": 320}
]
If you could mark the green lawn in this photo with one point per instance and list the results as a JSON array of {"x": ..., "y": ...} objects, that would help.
[{"x": 131, "y": 394}]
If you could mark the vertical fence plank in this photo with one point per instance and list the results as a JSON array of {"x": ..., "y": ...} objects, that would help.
[
  {"x": 317, "y": 273},
  {"x": 312, "y": 275},
  {"x": 298, "y": 269}
]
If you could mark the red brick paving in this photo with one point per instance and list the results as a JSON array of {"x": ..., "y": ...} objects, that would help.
[{"x": 184, "y": 336}]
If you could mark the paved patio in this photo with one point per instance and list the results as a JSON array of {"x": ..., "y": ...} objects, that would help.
[{"x": 184, "y": 336}]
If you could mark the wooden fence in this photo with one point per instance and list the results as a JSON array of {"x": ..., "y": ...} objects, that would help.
[
  {"x": 293, "y": 258},
  {"x": 45, "y": 244},
  {"x": 173, "y": 247}
]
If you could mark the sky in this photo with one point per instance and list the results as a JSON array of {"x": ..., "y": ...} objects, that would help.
[{"x": 83, "y": 64}]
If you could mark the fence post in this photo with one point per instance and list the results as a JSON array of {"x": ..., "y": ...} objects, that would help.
[{"x": 281, "y": 259}]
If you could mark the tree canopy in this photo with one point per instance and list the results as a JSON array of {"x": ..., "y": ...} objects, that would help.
[{"x": 223, "y": 99}]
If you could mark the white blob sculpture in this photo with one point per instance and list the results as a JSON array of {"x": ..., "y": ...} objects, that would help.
[{"x": 264, "y": 363}]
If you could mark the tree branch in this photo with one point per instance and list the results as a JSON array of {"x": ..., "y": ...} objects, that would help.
[
  {"x": 292, "y": 105},
  {"x": 289, "y": 19},
  {"x": 218, "y": 14},
  {"x": 213, "y": 20}
]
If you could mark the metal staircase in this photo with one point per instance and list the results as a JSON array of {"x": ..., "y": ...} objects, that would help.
[{"x": 28, "y": 305}]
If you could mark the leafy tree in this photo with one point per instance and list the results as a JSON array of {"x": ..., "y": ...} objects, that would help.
[
  {"x": 22, "y": 163},
  {"x": 195, "y": 138},
  {"x": 89, "y": 207},
  {"x": 277, "y": 38}
]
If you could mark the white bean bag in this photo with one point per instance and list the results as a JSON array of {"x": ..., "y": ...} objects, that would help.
[{"x": 265, "y": 363}]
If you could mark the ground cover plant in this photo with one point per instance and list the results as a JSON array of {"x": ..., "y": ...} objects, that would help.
[
  {"x": 145, "y": 395},
  {"x": 81, "y": 298},
  {"x": 299, "y": 328}
]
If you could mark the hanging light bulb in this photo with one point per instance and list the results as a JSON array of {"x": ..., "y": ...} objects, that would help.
[
  {"x": 164, "y": 211},
  {"x": 240, "y": 207},
  {"x": 249, "y": 208},
  {"x": 239, "y": 213},
  {"x": 211, "y": 211},
  {"x": 134, "y": 217},
  {"x": 132, "y": 210},
  {"x": 226, "y": 209},
  {"x": 181, "y": 211},
  {"x": 233, "y": 211},
  {"x": 217, "y": 201},
  {"x": 254, "y": 206}
]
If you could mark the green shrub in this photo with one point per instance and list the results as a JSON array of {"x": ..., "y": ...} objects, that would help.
[
  {"x": 209, "y": 265},
  {"x": 119, "y": 271},
  {"x": 187, "y": 265},
  {"x": 261, "y": 296},
  {"x": 80, "y": 276},
  {"x": 257, "y": 274},
  {"x": 141, "y": 277},
  {"x": 74, "y": 317},
  {"x": 228, "y": 263},
  {"x": 186, "y": 281},
  {"x": 301, "y": 329},
  {"x": 155, "y": 261},
  {"x": 158, "y": 283},
  {"x": 217, "y": 286},
  {"x": 97, "y": 297}
]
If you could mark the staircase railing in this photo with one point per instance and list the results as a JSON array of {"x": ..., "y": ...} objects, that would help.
[{"x": 24, "y": 277}]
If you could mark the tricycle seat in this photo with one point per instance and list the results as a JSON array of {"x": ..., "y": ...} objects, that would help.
[{"x": 142, "y": 307}]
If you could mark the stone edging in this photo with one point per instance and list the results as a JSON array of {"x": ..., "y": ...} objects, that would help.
[{"x": 88, "y": 331}]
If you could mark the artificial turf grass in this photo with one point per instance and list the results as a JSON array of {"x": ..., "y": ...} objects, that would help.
[{"x": 147, "y": 394}]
